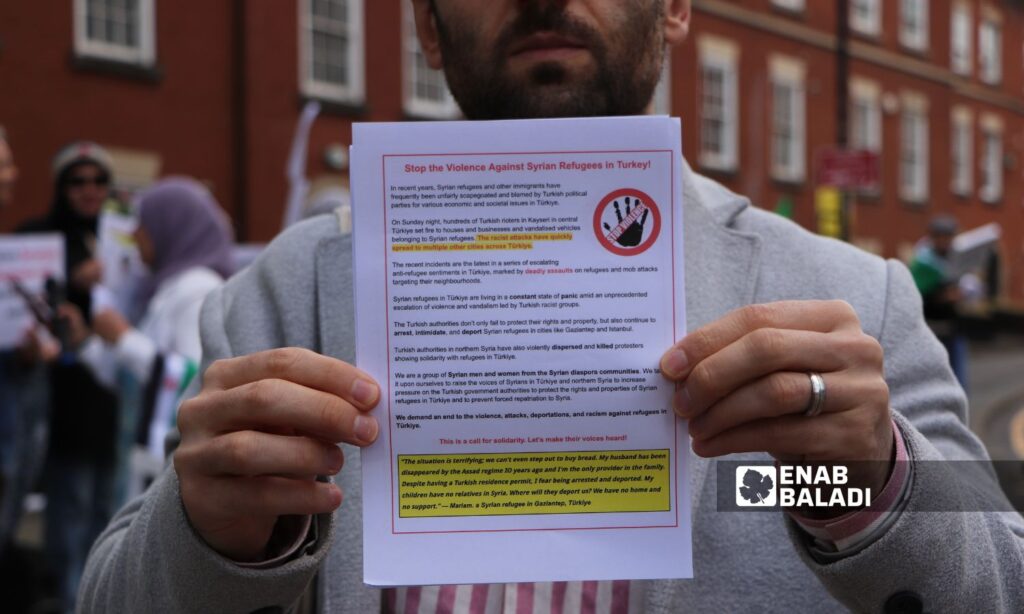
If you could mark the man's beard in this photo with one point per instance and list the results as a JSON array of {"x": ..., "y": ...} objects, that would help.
[{"x": 627, "y": 65}]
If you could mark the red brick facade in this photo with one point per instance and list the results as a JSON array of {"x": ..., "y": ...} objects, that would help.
[
  {"x": 223, "y": 97},
  {"x": 884, "y": 222}
]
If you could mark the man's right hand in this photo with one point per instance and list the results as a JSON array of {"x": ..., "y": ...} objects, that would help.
[{"x": 255, "y": 437}]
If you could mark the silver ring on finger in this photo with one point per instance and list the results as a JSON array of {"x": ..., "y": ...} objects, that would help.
[{"x": 817, "y": 401}]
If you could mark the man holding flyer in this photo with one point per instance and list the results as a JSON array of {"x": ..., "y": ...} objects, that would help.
[{"x": 800, "y": 349}]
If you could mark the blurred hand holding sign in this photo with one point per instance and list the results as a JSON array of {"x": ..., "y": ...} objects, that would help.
[{"x": 27, "y": 260}]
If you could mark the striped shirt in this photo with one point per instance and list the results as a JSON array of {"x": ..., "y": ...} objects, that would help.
[
  {"x": 851, "y": 530},
  {"x": 618, "y": 597}
]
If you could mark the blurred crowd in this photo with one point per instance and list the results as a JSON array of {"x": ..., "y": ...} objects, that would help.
[{"x": 89, "y": 391}]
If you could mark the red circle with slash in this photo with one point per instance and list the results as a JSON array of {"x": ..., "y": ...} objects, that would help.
[{"x": 609, "y": 238}]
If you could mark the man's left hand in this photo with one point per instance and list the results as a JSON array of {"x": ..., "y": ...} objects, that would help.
[{"x": 743, "y": 384}]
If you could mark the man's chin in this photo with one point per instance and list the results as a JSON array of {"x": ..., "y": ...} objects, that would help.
[{"x": 559, "y": 101}]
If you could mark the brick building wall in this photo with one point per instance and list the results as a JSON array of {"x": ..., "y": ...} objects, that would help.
[
  {"x": 173, "y": 115},
  {"x": 883, "y": 221},
  {"x": 221, "y": 96}
]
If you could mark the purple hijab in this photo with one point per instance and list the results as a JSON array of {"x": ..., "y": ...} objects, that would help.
[{"x": 188, "y": 229}]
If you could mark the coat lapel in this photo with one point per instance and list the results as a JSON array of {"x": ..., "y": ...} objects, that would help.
[
  {"x": 721, "y": 262},
  {"x": 334, "y": 298}
]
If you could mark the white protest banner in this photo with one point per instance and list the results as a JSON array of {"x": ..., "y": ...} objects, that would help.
[{"x": 26, "y": 261}]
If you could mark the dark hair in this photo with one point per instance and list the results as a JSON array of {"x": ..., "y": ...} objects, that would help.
[{"x": 943, "y": 225}]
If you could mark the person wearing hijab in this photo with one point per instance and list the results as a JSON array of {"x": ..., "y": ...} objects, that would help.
[
  {"x": 81, "y": 456},
  {"x": 185, "y": 239}
]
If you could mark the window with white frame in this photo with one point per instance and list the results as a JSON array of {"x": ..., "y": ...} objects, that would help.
[
  {"x": 332, "y": 49},
  {"x": 991, "y": 161},
  {"x": 914, "y": 24},
  {"x": 866, "y": 16},
  {"x": 663, "y": 93},
  {"x": 990, "y": 50},
  {"x": 719, "y": 105},
  {"x": 426, "y": 89},
  {"x": 789, "y": 5},
  {"x": 788, "y": 119},
  {"x": 865, "y": 116},
  {"x": 116, "y": 30},
  {"x": 914, "y": 155},
  {"x": 961, "y": 39},
  {"x": 962, "y": 152}
]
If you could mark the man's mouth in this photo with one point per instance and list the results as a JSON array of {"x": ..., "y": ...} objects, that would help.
[{"x": 546, "y": 46}]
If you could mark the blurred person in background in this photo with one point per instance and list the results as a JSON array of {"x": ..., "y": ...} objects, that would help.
[
  {"x": 24, "y": 399},
  {"x": 185, "y": 240},
  {"x": 81, "y": 458},
  {"x": 8, "y": 405},
  {"x": 940, "y": 290}
]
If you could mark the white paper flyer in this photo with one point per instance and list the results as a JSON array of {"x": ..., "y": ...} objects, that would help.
[{"x": 516, "y": 286}]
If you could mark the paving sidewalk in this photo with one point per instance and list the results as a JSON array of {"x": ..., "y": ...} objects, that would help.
[{"x": 996, "y": 396}]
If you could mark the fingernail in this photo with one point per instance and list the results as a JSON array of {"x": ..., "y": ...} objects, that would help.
[
  {"x": 334, "y": 495},
  {"x": 365, "y": 428},
  {"x": 675, "y": 363},
  {"x": 335, "y": 459},
  {"x": 682, "y": 401},
  {"x": 363, "y": 392}
]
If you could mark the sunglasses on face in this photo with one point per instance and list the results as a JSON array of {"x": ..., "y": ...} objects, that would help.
[{"x": 98, "y": 180}]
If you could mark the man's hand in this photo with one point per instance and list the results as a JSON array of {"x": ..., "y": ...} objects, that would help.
[
  {"x": 258, "y": 433},
  {"x": 37, "y": 347},
  {"x": 78, "y": 330},
  {"x": 743, "y": 384},
  {"x": 87, "y": 274},
  {"x": 110, "y": 325}
]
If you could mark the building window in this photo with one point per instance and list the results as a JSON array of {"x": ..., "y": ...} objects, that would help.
[
  {"x": 789, "y": 119},
  {"x": 990, "y": 51},
  {"x": 961, "y": 39},
  {"x": 116, "y": 30},
  {"x": 332, "y": 49},
  {"x": 719, "y": 115},
  {"x": 865, "y": 16},
  {"x": 866, "y": 121},
  {"x": 914, "y": 24},
  {"x": 663, "y": 93},
  {"x": 790, "y": 5},
  {"x": 718, "y": 102},
  {"x": 992, "y": 165},
  {"x": 865, "y": 117},
  {"x": 914, "y": 156},
  {"x": 963, "y": 152},
  {"x": 788, "y": 131},
  {"x": 426, "y": 90}
]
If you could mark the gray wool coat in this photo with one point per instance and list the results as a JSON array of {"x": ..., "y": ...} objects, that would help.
[{"x": 299, "y": 293}]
